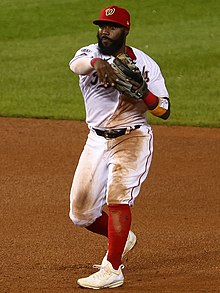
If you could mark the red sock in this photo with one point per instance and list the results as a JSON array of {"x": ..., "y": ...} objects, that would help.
[
  {"x": 100, "y": 226},
  {"x": 118, "y": 228}
]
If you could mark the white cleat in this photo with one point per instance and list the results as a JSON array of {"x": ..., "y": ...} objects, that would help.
[
  {"x": 106, "y": 277},
  {"x": 130, "y": 243}
]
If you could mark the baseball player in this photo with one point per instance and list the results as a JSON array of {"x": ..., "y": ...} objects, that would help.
[{"x": 118, "y": 152}]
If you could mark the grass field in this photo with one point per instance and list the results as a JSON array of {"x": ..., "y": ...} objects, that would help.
[{"x": 38, "y": 38}]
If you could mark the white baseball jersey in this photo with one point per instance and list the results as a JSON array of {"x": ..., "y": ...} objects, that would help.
[{"x": 105, "y": 107}]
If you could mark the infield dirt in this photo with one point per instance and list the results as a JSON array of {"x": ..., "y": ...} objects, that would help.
[{"x": 176, "y": 217}]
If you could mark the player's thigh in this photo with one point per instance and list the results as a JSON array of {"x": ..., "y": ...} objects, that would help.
[
  {"x": 129, "y": 166},
  {"x": 87, "y": 195}
]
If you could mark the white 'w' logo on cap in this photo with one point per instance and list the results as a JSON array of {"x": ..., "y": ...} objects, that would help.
[{"x": 109, "y": 11}]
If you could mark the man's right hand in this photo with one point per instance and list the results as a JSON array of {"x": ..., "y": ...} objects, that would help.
[{"x": 105, "y": 72}]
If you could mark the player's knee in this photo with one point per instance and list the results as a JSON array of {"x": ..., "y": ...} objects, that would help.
[
  {"x": 83, "y": 218},
  {"x": 77, "y": 221},
  {"x": 80, "y": 222},
  {"x": 113, "y": 201}
]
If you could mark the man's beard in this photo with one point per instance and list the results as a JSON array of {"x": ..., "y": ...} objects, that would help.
[{"x": 114, "y": 47}]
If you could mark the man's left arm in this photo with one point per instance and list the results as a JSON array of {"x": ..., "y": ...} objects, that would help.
[
  {"x": 157, "y": 97},
  {"x": 157, "y": 106},
  {"x": 132, "y": 83}
]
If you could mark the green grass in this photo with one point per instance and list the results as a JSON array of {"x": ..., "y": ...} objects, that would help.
[{"x": 38, "y": 38}]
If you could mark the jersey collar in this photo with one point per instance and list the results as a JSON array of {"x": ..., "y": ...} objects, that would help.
[{"x": 130, "y": 52}]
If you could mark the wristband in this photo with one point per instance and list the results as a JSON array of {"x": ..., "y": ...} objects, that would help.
[
  {"x": 151, "y": 101},
  {"x": 93, "y": 60},
  {"x": 161, "y": 108},
  {"x": 158, "y": 111}
]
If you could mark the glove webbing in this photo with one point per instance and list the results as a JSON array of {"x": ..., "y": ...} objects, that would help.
[{"x": 127, "y": 71}]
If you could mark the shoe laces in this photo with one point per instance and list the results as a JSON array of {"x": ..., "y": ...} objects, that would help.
[
  {"x": 99, "y": 267},
  {"x": 102, "y": 272}
]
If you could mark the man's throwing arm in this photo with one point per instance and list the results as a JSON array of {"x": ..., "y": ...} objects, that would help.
[{"x": 81, "y": 65}]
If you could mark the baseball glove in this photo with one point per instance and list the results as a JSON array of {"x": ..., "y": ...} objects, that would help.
[{"x": 129, "y": 79}]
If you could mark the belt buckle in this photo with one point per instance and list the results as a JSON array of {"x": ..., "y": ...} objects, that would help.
[{"x": 107, "y": 134}]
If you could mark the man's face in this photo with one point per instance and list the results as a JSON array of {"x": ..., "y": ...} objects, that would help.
[{"x": 111, "y": 38}]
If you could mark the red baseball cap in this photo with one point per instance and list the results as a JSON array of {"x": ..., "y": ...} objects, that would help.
[{"x": 114, "y": 14}]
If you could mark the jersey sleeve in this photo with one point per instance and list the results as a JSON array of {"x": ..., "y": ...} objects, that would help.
[
  {"x": 157, "y": 83},
  {"x": 88, "y": 52},
  {"x": 80, "y": 64},
  {"x": 152, "y": 74}
]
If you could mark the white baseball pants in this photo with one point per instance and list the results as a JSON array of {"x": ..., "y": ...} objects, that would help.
[{"x": 109, "y": 171}]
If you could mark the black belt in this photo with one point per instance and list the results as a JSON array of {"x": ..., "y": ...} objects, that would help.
[{"x": 113, "y": 133}]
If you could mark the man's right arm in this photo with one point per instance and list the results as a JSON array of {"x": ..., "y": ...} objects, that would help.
[
  {"x": 81, "y": 65},
  {"x": 85, "y": 65}
]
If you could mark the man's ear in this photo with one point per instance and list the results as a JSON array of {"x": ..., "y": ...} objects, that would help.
[{"x": 126, "y": 32}]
